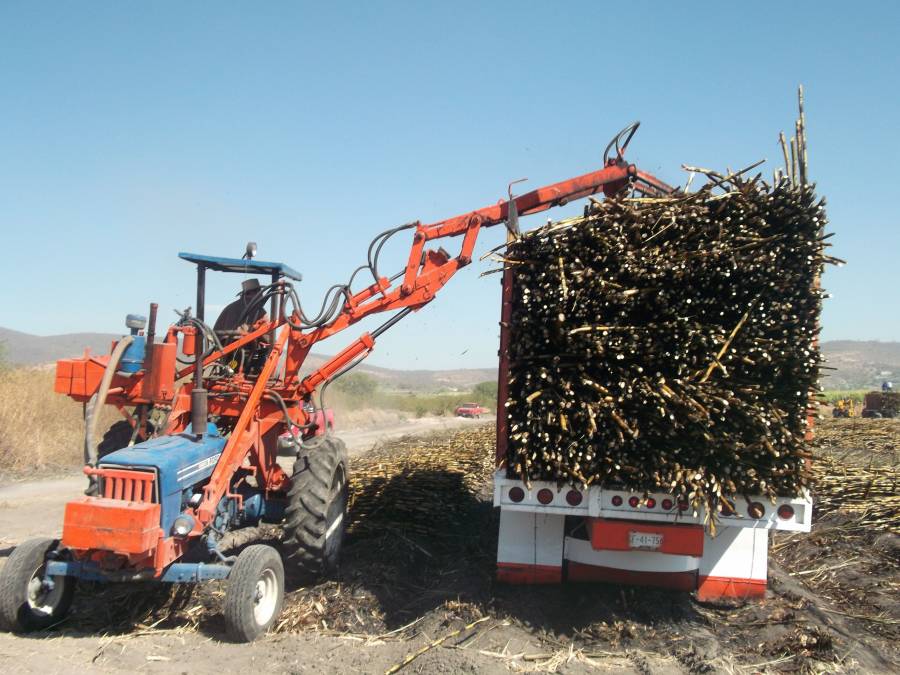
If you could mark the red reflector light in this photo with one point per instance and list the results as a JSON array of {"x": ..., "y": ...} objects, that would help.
[
  {"x": 516, "y": 494},
  {"x": 616, "y": 500},
  {"x": 683, "y": 506},
  {"x": 785, "y": 511},
  {"x": 545, "y": 495},
  {"x": 651, "y": 503},
  {"x": 573, "y": 497},
  {"x": 667, "y": 504},
  {"x": 633, "y": 502},
  {"x": 756, "y": 510}
]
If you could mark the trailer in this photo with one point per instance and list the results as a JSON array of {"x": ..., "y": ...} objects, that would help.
[{"x": 551, "y": 533}]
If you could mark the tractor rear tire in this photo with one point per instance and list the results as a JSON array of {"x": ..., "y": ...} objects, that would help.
[
  {"x": 28, "y": 601},
  {"x": 314, "y": 521},
  {"x": 255, "y": 593},
  {"x": 118, "y": 436}
]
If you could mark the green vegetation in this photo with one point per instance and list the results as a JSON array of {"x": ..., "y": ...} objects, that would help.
[
  {"x": 415, "y": 404},
  {"x": 360, "y": 386},
  {"x": 359, "y": 390},
  {"x": 833, "y": 395},
  {"x": 485, "y": 393}
]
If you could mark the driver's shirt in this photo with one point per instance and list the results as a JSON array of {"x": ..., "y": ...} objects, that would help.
[{"x": 230, "y": 318}]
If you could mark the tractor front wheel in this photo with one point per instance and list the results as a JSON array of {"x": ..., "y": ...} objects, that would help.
[
  {"x": 255, "y": 593},
  {"x": 30, "y": 600},
  {"x": 317, "y": 507}
]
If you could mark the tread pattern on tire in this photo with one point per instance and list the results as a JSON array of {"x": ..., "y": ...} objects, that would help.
[
  {"x": 308, "y": 500},
  {"x": 240, "y": 623},
  {"x": 14, "y": 577}
]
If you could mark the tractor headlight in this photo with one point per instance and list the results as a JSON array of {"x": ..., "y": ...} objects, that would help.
[{"x": 183, "y": 525}]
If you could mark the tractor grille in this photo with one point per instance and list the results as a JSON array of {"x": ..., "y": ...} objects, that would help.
[{"x": 127, "y": 485}]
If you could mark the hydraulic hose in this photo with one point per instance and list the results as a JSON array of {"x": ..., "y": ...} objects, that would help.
[
  {"x": 265, "y": 294},
  {"x": 276, "y": 397},
  {"x": 378, "y": 243},
  {"x": 91, "y": 416},
  {"x": 331, "y": 303}
]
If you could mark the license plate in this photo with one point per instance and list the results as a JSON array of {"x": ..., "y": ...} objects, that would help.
[{"x": 647, "y": 540}]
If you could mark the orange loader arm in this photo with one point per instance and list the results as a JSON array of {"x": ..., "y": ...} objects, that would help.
[{"x": 426, "y": 272}]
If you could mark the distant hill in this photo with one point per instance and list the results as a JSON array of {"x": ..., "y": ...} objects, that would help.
[
  {"x": 858, "y": 364},
  {"x": 31, "y": 350}
]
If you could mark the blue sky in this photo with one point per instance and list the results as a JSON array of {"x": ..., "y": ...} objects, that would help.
[{"x": 132, "y": 131}]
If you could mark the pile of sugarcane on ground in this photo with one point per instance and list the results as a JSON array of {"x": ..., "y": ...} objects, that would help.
[
  {"x": 857, "y": 471},
  {"x": 413, "y": 483},
  {"x": 858, "y": 440},
  {"x": 869, "y": 492},
  {"x": 670, "y": 344}
]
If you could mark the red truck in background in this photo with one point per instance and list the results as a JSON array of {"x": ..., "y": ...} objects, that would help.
[{"x": 470, "y": 410}]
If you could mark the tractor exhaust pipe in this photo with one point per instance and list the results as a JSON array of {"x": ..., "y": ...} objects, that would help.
[
  {"x": 199, "y": 395},
  {"x": 199, "y": 401},
  {"x": 151, "y": 338}
]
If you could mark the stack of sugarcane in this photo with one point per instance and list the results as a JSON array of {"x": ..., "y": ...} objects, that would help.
[{"x": 670, "y": 344}]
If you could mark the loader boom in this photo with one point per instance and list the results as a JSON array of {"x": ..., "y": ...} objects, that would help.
[{"x": 426, "y": 272}]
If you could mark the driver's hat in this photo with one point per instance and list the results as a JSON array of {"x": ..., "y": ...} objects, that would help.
[{"x": 248, "y": 285}]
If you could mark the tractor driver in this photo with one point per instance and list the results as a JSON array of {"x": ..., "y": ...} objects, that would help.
[
  {"x": 237, "y": 319},
  {"x": 234, "y": 319}
]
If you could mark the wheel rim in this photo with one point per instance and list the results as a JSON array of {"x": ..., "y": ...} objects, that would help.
[
  {"x": 266, "y": 597},
  {"x": 44, "y": 595}
]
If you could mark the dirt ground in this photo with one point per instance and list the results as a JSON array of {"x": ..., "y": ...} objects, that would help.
[{"x": 418, "y": 581}]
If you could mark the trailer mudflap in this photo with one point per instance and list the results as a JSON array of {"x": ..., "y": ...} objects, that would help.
[
  {"x": 716, "y": 588},
  {"x": 630, "y": 535},
  {"x": 111, "y": 525}
]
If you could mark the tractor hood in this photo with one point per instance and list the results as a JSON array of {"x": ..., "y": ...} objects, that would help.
[{"x": 179, "y": 462}]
